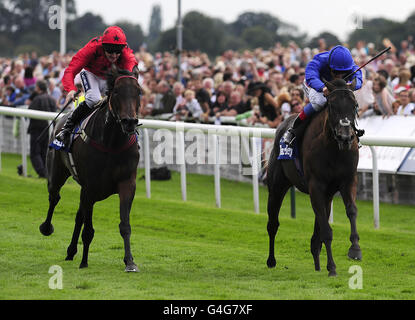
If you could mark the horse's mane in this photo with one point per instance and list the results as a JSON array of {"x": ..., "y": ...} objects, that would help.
[
  {"x": 339, "y": 83},
  {"x": 112, "y": 77}
]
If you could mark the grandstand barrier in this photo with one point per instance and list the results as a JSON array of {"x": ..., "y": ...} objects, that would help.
[{"x": 379, "y": 135}]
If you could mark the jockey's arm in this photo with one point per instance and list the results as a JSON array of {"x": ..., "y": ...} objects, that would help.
[
  {"x": 129, "y": 59},
  {"x": 312, "y": 75},
  {"x": 78, "y": 62}
]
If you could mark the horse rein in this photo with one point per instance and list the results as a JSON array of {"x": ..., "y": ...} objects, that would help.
[
  {"x": 114, "y": 114},
  {"x": 343, "y": 122}
]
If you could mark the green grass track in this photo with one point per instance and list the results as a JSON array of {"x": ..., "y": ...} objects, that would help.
[{"x": 192, "y": 250}]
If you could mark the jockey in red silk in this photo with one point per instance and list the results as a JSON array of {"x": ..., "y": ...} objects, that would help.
[
  {"x": 329, "y": 65},
  {"x": 92, "y": 62}
]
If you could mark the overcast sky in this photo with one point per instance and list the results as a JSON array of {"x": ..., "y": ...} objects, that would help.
[{"x": 311, "y": 16}]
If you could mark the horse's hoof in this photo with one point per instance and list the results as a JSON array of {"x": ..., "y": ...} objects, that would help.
[
  {"x": 271, "y": 262},
  {"x": 70, "y": 253},
  {"x": 355, "y": 254},
  {"x": 332, "y": 273},
  {"x": 46, "y": 229},
  {"x": 131, "y": 268},
  {"x": 83, "y": 265}
]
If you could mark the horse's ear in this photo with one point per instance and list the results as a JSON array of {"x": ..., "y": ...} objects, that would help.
[
  {"x": 114, "y": 69},
  {"x": 329, "y": 86},
  {"x": 136, "y": 72},
  {"x": 352, "y": 85}
]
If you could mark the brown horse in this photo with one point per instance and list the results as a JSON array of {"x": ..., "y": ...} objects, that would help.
[
  {"x": 330, "y": 154},
  {"x": 105, "y": 159}
]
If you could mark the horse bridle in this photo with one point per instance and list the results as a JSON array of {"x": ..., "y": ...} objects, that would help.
[
  {"x": 343, "y": 122},
  {"x": 112, "y": 111},
  {"x": 337, "y": 90}
]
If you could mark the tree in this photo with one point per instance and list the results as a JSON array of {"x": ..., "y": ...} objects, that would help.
[
  {"x": 134, "y": 34},
  {"x": 276, "y": 30},
  {"x": 200, "y": 32},
  {"x": 331, "y": 40},
  {"x": 31, "y": 15},
  {"x": 25, "y": 25},
  {"x": 257, "y": 36},
  {"x": 252, "y": 19},
  {"x": 154, "y": 29},
  {"x": 83, "y": 29},
  {"x": 376, "y": 29}
]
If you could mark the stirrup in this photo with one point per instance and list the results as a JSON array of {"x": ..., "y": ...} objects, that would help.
[
  {"x": 63, "y": 136},
  {"x": 359, "y": 132},
  {"x": 289, "y": 137}
]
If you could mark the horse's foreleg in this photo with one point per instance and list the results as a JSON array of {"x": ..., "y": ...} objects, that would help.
[
  {"x": 126, "y": 194},
  {"x": 272, "y": 228},
  {"x": 46, "y": 228},
  {"x": 278, "y": 189},
  {"x": 57, "y": 176},
  {"x": 348, "y": 194},
  {"x": 72, "y": 248},
  {"x": 319, "y": 201},
  {"x": 86, "y": 207},
  {"x": 316, "y": 245}
]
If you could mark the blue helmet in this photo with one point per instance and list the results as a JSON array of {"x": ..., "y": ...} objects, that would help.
[{"x": 340, "y": 59}]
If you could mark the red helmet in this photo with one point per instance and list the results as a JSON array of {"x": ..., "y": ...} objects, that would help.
[{"x": 114, "y": 35}]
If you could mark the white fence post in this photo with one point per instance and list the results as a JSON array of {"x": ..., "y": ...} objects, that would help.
[
  {"x": 375, "y": 181},
  {"x": 23, "y": 139},
  {"x": 147, "y": 173},
  {"x": 216, "y": 144},
  {"x": 181, "y": 160},
  {"x": 255, "y": 171}
]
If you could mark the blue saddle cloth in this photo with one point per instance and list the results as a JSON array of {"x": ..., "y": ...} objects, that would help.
[
  {"x": 290, "y": 153},
  {"x": 287, "y": 152},
  {"x": 57, "y": 145}
]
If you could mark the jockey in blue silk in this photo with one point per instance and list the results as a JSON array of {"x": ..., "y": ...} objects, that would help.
[{"x": 334, "y": 64}]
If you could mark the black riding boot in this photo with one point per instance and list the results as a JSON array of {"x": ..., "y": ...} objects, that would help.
[
  {"x": 74, "y": 118},
  {"x": 291, "y": 133}
]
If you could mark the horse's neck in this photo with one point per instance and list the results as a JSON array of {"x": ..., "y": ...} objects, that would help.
[
  {"x": 104, "y": 129},
  {"x": 322, "y": 126}
]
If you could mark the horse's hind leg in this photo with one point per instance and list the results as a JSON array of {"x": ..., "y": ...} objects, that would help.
[
  {"x": 278, "y": 187},
  {"x": 57, "y": 176}
]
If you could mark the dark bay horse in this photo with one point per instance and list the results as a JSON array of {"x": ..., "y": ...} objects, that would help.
[
  {"x": 105, "y": 159},
  {"x": 330, "y": 154}
]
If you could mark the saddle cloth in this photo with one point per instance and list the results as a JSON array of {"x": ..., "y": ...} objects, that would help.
[
  {"x": 57, "y": 145},
  {"x": 290, "y": 153}
]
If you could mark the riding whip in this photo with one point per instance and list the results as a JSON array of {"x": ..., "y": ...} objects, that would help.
[
  {"x": 374, "y": 58},
  {"x": 53, "y": 121}
]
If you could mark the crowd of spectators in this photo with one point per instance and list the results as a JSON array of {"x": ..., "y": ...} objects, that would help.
[{"x": 254, "y": 87}]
